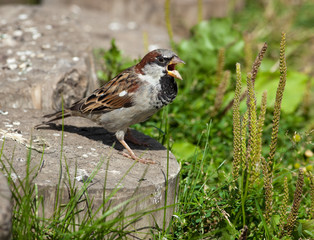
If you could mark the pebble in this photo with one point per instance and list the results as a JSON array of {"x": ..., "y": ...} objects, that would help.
[
  {"x": 48, "y": 27},
  {"x": 46, "y": 46},
  {"x": 36, "y": 35},
  {"x": 93, "y": 154},
  {"x": 12, "y": 66},
  {"x": 40, "y": 55},
  {"x": 17, "y": 33},
  {"x": 131, "y": 25},
  {"x": 23, "y": 16},
  {"x": 23, "y": 54},
  {"x": 11, "y": 60},
  {"x": 23, "y": 65},
  {"x": 12, "y": 175},
  {"x": 115, "y": 26},
  {"x": 23, "y": 58},
  {"x": 4, "y": 113},
  {"x": 82, "y": 175},
  {"x": 114, "y": 171},
  {"x": 75, "y": 9},
  {"x": 81, "y": 178}
]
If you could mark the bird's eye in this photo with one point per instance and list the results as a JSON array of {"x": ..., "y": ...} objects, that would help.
[{"x": 161, "y": 59}]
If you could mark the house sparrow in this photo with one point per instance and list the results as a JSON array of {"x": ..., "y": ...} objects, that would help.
[{"x": 131, "y": 97}]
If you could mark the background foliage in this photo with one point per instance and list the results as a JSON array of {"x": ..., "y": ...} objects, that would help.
[
  {"x": 219, "y": 198},
  {"x": 201, "y": 135}
]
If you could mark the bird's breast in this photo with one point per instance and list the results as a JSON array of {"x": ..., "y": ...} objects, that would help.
[{"x": 165, "y": 93}]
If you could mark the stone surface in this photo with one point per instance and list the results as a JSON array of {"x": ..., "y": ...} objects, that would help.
[
  {"x": 128, "y": 21},
  {"x": 85, "y": 146},
  {"x": 5, "y": 209},
  {"x": 43, "y": 55},
  {"x": 102, "y": 26},
  {"x": 45, "y": 52},
  {"x": 184, "y": 13}
]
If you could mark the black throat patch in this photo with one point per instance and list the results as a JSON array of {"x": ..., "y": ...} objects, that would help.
[{"x": 168, "y": 92}]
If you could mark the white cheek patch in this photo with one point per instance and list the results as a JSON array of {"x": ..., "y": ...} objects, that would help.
[
  {"x": 152, "y": 74},
  {"x": 123, "y": 93}
]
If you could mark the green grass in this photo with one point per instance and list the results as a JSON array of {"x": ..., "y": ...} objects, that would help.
[{"x": 220, "y": 193}]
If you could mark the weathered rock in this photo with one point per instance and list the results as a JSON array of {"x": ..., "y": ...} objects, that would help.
[
  {"x": 103, "y": 25},
  {"x": 85, "y": 147},
  {"x": 43, "y": 55},
  {"x": 5, "y": 209},
  {"x": 183, "y": 13},
  {"x": 45, "y": 52}
]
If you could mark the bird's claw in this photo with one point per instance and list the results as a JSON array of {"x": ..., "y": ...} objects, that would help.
[{"x": 141, "y": 160}]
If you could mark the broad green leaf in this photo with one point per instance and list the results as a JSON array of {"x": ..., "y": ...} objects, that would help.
[
  {"x": 184, "y": 150},
  {"x": 294, "y": 90}
]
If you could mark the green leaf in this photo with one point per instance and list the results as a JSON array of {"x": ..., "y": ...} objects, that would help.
[
  {"x": 184, "y": 150},
  {"x": 307, "y": 227},
  {"x": 294, "y": 90}
]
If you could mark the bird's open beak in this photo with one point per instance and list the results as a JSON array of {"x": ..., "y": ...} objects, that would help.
[{"x": 171, "y": 67}]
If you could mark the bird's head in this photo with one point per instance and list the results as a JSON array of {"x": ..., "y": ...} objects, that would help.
[{"x": 158, "y": 63}]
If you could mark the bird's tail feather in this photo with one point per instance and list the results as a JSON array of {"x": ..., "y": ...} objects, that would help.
[{"x": 54, "y": 116}]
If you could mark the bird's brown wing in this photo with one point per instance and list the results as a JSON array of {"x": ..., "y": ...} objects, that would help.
[{"x": 115, "y": 94}]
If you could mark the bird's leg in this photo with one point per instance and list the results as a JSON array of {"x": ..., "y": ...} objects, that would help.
[
  {"x": 132, "y": 154},
  {"x": 120, "y": 137},
  {"x": 129, "y": 136}
]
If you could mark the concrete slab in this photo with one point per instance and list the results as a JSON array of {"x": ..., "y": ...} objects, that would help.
[
  {"x": 85, "y": 146},
  {"x": 43, "y": 55}
]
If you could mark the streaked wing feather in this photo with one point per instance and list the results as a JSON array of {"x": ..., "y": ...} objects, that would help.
[{"x": 107, "y": 97}]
